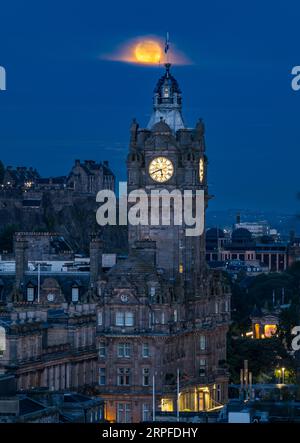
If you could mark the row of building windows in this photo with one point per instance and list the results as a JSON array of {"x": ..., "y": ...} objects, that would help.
[
  {"x": 124, "y": 412},
  {"x": 124, "y": 350},
  {"x": 30, "y": 294},
  {"x": 126, "y": 318},
  {"x": 124, "y": 376}
]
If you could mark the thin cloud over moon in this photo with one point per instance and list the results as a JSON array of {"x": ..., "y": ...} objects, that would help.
[{"x": 147, "y": 50}]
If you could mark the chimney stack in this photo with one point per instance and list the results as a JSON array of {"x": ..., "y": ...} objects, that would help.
[{"x": 146, "y": 249}]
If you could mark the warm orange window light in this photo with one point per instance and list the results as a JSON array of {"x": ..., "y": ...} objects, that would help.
[
  {"x": 180, "y": 269},
  {"x": 166, "y": 405},
  {"x": 270, "y": 330},
  {"x": 257, "y": 330}
]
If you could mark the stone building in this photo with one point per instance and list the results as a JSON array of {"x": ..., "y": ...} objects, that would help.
[
  {"x": 263, "y": 252},
  {"x": 161, "y": 312},
  {"x": 90, "y": 177},
  {"x": 49, "y": 319},
  {"x": 156, "y": 319},
  {"x": 87, "y": 177},
  {"x": 21, "y": 176}
]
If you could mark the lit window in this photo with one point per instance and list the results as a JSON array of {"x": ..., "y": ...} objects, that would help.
[
  {"x": 146, "y": 376},
  {"x": 30, "y": 294},
  {"x": 270, "y": 330},
  {"x": 75, "y": 294},
  {"x": 202, "y": 342},
  {"x": 102, "y": 376},
  {"x": 123, "y": 377},
  {"x": 124, "y": 350},
  {"x": 181, "y": 269},
  {"x": 146, "y": 350}
]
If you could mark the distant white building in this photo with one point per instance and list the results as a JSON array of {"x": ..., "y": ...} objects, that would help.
[{"x": 257, "y": 229}]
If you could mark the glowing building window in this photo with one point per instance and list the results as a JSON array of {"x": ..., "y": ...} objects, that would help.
[
  {"x": 257, "y": 330},
  {"x": 270, "y": 330},
  {"x": 167, "y": 405},
  {"x": 181, "y": 269}
]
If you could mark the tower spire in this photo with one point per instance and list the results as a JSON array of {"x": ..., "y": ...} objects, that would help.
[{"x": 167, "y": 102}]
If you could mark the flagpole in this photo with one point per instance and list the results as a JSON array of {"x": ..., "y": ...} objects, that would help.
[
  {"x": 153, "y": 397},
  {"x": 177, "y": 394},
  {"x": 167, "y": 46}
]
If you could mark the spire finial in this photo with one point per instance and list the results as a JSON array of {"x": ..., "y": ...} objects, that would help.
[{"x": 168, "y": 66}]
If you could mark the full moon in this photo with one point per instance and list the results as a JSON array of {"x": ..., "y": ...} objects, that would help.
[{"x": 148, "y": 51}]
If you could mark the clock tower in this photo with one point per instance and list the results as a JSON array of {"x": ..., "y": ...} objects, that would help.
[
  {"x": 168, "y": 156},
  {"x": 161, "y": 312}
]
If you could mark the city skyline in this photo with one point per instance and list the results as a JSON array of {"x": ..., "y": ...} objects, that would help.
[{"x": 64, "y": 102}]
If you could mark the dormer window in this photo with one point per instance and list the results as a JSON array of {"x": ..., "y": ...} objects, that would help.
[
  {"x": 75, "y": 294},
  {"x": 30, "y": 294},
  {"x": 152, "y": 291}
]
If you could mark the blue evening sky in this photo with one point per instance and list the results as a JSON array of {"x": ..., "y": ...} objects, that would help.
[{"x": 63, "y": 102}]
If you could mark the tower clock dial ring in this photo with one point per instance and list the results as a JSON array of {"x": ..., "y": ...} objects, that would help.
[{"x": 161, "y": 169}]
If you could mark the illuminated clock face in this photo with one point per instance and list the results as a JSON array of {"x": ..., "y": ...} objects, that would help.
[
  {"x": 161, "y": 169},
  {"x": 201, "y": 170}
]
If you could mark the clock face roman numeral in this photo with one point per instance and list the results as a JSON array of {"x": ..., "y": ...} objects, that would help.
[{"x": 161, "y": 169}]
